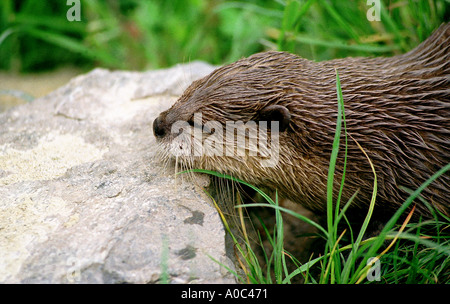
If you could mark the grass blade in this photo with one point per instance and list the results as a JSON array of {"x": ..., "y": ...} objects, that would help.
[{"x": 72, "y": 45}]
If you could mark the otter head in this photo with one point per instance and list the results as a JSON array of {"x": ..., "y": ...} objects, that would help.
[{"x": 231, "y": 121}]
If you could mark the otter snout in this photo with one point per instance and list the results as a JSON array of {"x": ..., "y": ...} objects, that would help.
[
  {"x": 167, "y": 120},
  {"x": 158, "y": 127}
]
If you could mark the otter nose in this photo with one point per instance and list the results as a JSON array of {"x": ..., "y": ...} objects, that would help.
[{"x": 158, "y": 129}]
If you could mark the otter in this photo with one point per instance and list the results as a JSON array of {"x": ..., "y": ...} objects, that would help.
[{"x": 396, "y": 108}]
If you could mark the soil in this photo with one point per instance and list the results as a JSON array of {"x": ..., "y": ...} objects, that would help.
[{"x": 16, "y": 89}]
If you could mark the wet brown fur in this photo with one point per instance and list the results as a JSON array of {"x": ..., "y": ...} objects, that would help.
[{"x": 397, "y": 109}]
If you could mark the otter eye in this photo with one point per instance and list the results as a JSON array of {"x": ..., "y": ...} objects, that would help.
[{"x": 192, "y": 123}]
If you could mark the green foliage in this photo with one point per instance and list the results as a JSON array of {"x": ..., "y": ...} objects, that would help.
[
  {"x": 418, "y": 253},
  {"x": 135, "y": 34}
]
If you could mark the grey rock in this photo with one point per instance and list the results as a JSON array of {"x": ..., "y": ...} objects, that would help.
[{"x": 83, "y": 198}]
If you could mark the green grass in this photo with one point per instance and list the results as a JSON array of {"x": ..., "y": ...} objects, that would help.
[
  {"x": 140, "y": 35},
  {"x": 417, "y": 253}
]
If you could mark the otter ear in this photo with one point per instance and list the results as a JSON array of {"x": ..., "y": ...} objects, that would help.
[{"x": 276, "y": 113}]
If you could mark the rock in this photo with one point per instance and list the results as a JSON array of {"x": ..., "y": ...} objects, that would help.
[{"x": 84, "y": 200}]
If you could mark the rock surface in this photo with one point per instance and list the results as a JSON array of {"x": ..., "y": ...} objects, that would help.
[{"x": 82, "y": 197}]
